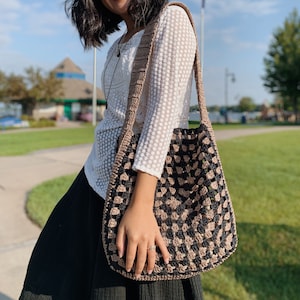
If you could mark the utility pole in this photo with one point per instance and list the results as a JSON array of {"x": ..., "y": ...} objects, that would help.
[
  {"x": 202, "y": 35},
  {"x": 232, "y": 77},
  {"x": 94, "y": 104}
]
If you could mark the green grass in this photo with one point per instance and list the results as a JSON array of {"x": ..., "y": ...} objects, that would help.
[
  {"x": 18, "y": 143},
  {"x": 43, "y": 198},
  {"x": 230, "y": 126},
  {"x": 236, "y": 126},
  {"x": 263, "y": 176}
]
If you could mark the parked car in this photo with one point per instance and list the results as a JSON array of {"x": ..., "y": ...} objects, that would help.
[
  {"x": 12, "y": 121},
  {"x": 86, "y": 117}
]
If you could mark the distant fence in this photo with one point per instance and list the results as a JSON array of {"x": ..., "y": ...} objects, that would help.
[
  {"x": 10, "y": 109},
  {"x": 233, "y": 117}
]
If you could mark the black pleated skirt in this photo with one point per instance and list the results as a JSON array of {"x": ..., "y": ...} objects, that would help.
[{"x": 68, "y": 261}]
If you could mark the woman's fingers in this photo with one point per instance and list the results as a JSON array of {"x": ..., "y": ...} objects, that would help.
[
  {"x": 140, "y": 239},
  {"x": 145, "y": 254},
  {"x": 121, "y": 241},
  {"x": 151, "y": 252},
  {"x": 163, "y": 248},
  {"x": 131, "y": 253},
  {"x": 141, "y": 259},
  {"x": 142, "y": 254},
  {"x": 148, "y": 255}
]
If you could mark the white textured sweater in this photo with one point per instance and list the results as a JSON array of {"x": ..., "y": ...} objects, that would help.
[{"x": 164, "y": 104}]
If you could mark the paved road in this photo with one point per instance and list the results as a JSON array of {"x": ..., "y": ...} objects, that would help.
[{"x": 18, "y": 175}]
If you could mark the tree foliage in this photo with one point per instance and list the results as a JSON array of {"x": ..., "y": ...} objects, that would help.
[
  {"x": 31, "y": 89},
  {"x": 282, "y": 63},
  {"x": 12, "y": 87},
  {"x": 2, "y": 86},
  {"x": 16, "y": 87},
  {"x": 247, "y": 104}
]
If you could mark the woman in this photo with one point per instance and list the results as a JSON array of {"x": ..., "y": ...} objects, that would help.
[{"x": 68, "y": 261}]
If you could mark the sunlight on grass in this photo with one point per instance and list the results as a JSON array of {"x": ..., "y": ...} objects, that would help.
[
  {"x": 19, "y": 143},
  {"x": 43, "y": 198},
  {"x": 26, "y": 142},
  {"x": 263, "y": 176}
]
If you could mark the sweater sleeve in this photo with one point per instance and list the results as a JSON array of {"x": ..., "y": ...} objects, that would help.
[{"x": 168, "y": 79}]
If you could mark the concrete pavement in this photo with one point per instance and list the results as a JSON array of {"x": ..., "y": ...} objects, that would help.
[{"x": 18, "y": 175}]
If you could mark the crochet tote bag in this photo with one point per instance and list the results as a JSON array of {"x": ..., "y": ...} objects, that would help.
[{"x": 192, "y": 203}]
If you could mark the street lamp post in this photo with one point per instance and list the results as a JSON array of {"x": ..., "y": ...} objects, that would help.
[
  {"x": 94, "y": 102},
  {"x": 202, "y": 34},
  {"x": 232, "y": 77}
]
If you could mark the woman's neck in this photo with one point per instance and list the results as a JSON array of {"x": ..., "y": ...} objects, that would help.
[{"x": 131, "y": 28}]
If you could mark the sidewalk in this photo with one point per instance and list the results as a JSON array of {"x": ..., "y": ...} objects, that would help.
[{"x": 18, "y": 175}]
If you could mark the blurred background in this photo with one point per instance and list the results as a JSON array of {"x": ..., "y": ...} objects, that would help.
[{"x": 235, "y": 36}]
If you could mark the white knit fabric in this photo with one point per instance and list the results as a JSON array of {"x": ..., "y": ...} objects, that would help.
[{"x": 164, "y": 104}]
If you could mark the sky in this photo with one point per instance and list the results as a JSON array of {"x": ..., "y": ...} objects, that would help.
[{"x": 237, "y": 34}]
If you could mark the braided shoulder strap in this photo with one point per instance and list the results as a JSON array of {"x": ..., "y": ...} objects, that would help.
[{"x": 138, "y": 76}]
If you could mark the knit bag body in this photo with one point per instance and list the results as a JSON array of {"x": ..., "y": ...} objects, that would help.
[{"x": 192, "y": 204}]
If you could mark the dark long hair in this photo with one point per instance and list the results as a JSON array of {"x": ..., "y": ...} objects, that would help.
[{"x": 95, "y": 22}]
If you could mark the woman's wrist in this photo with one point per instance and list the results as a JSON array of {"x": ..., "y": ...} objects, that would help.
[{"x": 144, "y": 190}]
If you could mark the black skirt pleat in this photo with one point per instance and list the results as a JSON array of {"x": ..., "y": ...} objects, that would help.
[{"x": 68, "y": 261}]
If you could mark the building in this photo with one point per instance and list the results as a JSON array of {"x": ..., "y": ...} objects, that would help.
[
  {"x": 77, "y": 98},
  {"x": 78, "y": 93}
]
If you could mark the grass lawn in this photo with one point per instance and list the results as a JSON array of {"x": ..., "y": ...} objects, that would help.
[
  {"x": 232, "y": 126},
  {"x": 263, "y": 176},
  {"x": 18, "y": 143}
]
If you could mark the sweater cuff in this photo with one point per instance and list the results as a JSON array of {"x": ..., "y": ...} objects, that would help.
[{"x": 147, "y": 170}]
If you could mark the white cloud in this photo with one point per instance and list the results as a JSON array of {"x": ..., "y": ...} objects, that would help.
[
  {"x": 46, "y": 23},
  {"x": 228, "y": 7},
  {"x": 44, "y": 20},
  {"x": 30, "y": 18},
  {"x": 9, "y": 15},
  {"x": 13, "y": 62},
  {"x": 229, "y": 37},
  {"x": 9, "y": 5},
  {"x": 228, "y": 10}
]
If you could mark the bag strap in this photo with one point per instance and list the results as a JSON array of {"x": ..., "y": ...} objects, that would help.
[{"x": 139, "y": 72}]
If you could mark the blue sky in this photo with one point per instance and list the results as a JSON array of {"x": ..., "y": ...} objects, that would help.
[{"x": 237, "y": 35}]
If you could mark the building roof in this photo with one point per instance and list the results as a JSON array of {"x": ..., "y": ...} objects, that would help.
[
  {"x": 79, "y": 89},
  {"x": 75, "y": 87},
  {"x": 67, "y": 66}
]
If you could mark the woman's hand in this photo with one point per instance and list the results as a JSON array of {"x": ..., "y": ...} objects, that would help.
[{"x": 138, "y": 231}]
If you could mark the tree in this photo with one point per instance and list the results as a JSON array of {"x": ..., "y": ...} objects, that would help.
[
  {"x": 40, "y": 88},
  {"x": 31, "y": 89},
  {"x": 282, "y": 63},
  {"x": 15, "y": 87},
  {"x": 3, "y": 82},
  {"x": 213, "y": 108},
  {"x": 246, "y": 104},
  {"x": 12, "y": 87},
  {"x": 53, "y": 88}
]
